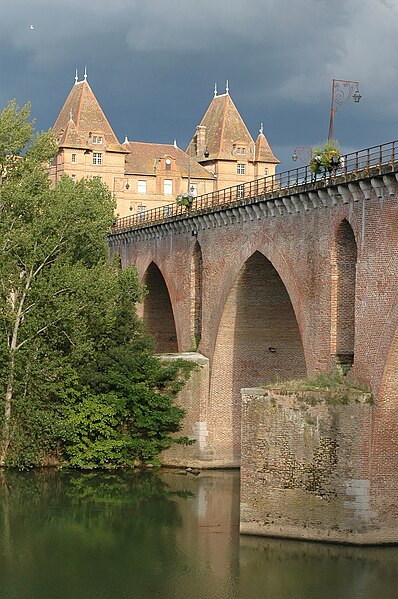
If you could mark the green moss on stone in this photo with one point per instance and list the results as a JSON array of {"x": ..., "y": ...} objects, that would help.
[{"x": 333, "y": 389}]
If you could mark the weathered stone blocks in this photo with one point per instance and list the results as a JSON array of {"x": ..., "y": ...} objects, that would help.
[
  {"x": 193, "y": 399},
  {"x": 305, "y": 468}
]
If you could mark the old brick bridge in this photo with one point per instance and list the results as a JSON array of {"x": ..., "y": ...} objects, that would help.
[{"x": 282, "y": 277}]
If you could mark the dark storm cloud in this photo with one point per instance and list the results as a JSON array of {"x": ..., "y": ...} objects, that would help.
[{"x": 153, "y": 64}]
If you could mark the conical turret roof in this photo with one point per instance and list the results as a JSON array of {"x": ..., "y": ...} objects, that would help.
[
  {"x": 224, "y": 129},
  {"x": 263, "y": 151},
  {"x": 70, "y": 137},
  {"x": 82, "y": 107}
]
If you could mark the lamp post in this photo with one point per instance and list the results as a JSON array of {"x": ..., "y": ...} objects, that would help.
[
  {"x": 302, "y": 153},
  {"x": 342, "y": 91}
]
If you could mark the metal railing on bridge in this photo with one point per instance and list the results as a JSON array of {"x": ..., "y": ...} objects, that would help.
[{"x": 285, "y": 183}]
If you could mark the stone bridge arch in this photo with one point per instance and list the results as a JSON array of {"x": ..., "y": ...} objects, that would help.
[
  {"x": 257, "y": 341},
  {"x": 157, "y": 310},
  {"x": 344, "y": 254}
]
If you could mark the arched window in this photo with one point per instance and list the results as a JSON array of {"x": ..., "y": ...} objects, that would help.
[{"x": 344, "y": 264}]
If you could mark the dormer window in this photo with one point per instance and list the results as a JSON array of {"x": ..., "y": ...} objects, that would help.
[
  {"x": 241, "y": 150},
  {"x": 97, "y": 139}
]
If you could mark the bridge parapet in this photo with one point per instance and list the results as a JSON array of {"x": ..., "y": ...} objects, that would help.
[
  {"x": 288, "y": 192},
  {"x": 339, "y": 188}
]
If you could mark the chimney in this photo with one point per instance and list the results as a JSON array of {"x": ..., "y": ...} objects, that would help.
[{"x": 200, "y": 140}]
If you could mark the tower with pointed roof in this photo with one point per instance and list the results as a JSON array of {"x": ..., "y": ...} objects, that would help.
[
  {"x": 223, "y": 145},
  {"x": 88, "y": 146},
  {"x": 140, "y": 176}
]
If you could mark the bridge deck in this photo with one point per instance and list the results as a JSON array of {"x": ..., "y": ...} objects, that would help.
[{"x": 363, "y": 164}]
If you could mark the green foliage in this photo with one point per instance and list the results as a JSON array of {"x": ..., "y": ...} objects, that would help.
[
  {"x": 326, "y": 157},
  {"x": 78, "y": 379},
  {"x": 15, "y": 129},
  {"x": 185, "y": 199}
]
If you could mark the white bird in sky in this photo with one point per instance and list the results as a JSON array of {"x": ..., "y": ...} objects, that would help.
[{"x": 31, "y": 27}]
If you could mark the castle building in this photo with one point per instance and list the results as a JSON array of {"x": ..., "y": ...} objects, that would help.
[
  {"x": 142, "y": 176},
  {"x": 157, "y": 173},
  {"x": 224, "y": 146}
]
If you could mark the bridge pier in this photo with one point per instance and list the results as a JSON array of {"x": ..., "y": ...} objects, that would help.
[
  {"x": 306, "y": 470},
  {"x": 194, "y": 399}
]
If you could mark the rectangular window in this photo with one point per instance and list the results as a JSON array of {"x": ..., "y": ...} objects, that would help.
[
  {"x": 240, "y": 191},
  {"x": 97, "y": 139},
  {"x": 241, "y": 169},
  {"x": 243, "y": 150},
  {"x": 265, "y": 171},
  {"x": 97, "y": 158},
  {"x": 141, "y": 213},
  {"x": 74, "y": 158},
  {"x": 238, "y": 150},
  {"x": 141, "y": 186},
  {"x": 168, "y": 187}
]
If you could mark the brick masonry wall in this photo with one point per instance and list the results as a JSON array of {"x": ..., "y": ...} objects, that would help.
[
  {"x": 194, "y": 399},
  {"x": 158, "y": 313},
  {"x": 301, "y": 246},
  {"x": 258, "y": 341},
  {"x": 343, "y": 276},
  {"x": 304, "y": 471}
]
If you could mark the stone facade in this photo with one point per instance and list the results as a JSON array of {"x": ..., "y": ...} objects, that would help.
[
  {"x": 145, "y": 176},
  {"x": 305, "y": 469},
  {"x": 193, "y": 399}
]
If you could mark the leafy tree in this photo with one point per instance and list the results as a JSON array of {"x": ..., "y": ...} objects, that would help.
[{"x": 78, "y": 377}]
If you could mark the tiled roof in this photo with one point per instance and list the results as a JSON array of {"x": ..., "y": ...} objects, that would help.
[
  {"x": 263, "y": 151},
  {"x": 82, "y": 106},
  {"x": 70, "y": 137},
  {"x": 224, "y": 128},
  {"x": 143, "y": 159}
]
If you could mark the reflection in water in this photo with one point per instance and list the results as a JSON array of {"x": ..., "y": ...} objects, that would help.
[
  {"x": 148, "y": 536},
  {"x": 285, "y": 568}
]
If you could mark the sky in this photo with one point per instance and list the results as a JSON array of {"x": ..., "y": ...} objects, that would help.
[{"x": 152, "y": 65}]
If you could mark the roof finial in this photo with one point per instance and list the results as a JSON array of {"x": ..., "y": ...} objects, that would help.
[
  {"x": 175, "y": 143},
  {"x": 215, "y": 90},
  {"x": 261, "y": 130},
  {"x": 227, "y": 88},
  {"x": 126, "y": 139},
  {"x": 76, "y": 77},
  {"x": 85, "y": 73}
]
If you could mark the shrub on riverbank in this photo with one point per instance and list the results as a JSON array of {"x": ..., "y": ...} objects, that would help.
[{"x": 79, "y": 382}]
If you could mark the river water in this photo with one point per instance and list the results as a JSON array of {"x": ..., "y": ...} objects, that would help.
[{"x": 163, "y": 535}]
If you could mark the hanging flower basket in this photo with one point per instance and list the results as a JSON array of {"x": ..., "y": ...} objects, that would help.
[
  {"x": 185, "y": 199},
  {"x": 326, "y": 158}
]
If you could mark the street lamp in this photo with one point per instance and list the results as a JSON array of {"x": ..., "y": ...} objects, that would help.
[
  {"x": 302, "y": 153},
  {"x": 342, "y": 91}
]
